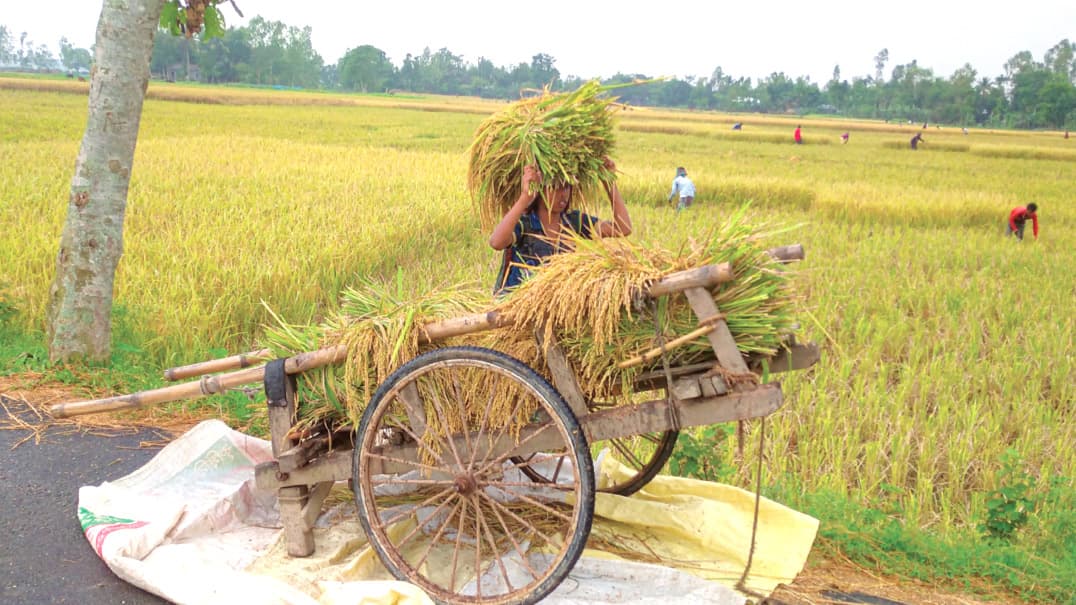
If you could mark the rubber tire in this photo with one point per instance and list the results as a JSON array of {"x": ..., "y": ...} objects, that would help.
[{"x": 584, "y": 506}]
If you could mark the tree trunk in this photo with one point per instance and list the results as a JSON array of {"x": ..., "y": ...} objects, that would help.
[{"x": 80, "y": 299}]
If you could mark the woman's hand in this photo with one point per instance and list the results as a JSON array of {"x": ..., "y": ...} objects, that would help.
[
  {"x": 531, "y": 176},
  {"x": 609, "y": 164}
]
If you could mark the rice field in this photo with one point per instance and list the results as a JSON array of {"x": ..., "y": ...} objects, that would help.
[{"x": 944, "y": 344}]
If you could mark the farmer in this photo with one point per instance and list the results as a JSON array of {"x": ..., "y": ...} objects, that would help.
[
  {"x": 1018, "y": 217},
  {"x": 797, "y": 135},
  {"x": 844, "y": 138},
  {"x": 534, "y": 227},
  {"x": 918, "y": 138},
  {"x": 682, "y": 185}
]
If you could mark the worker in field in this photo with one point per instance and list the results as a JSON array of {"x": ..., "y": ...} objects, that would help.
[
  {"x": 1018, "y": 218},
  {"x": 844, "y": 138},
  {"x": 918, "y": 138},
  {"x": 537, "y": 225},
  {"x": 797, "y": 135},
  {"x": 682, "y": 187}
]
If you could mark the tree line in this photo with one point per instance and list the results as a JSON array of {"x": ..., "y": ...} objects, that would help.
[{"x": 1030, "y": 93}]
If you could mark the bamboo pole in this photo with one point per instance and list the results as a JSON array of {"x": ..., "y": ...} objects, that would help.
[
  {"x": 704, "y": 329},
  {"x": 787, "y": 254},
  {"x": 707, "y": 276},
  {"x": 243, "y": 360}
]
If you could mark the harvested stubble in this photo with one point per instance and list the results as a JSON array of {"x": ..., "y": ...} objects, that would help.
[
  {"x": 588, "y": 299},
  {"x": 566, "y": 135}
]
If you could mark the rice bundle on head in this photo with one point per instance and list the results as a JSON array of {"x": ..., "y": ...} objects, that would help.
[
  {"x": 566, "y": 135},
  {"x": 589, "y": 300}
]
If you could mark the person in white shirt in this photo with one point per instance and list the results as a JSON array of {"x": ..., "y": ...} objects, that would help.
[{"x": 682, "y": 185}]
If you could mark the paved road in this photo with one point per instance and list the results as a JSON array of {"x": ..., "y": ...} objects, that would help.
[{"x": 44, "y": 557}]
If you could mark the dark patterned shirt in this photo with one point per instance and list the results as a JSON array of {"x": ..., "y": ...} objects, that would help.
[{"x": 530, "y": 247}]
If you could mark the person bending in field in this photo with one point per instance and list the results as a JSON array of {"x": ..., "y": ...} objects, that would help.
[
  {"x": 684, "y": 187},
  {"x": 918, "y": 138},
  {"x": 1018, "y": 218},
  {"x": 536, "y": 226}
]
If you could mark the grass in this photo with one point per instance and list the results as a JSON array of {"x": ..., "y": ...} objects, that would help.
[{"x": 944, "y": 344}]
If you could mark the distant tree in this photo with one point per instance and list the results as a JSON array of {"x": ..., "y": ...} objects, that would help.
[
  {"x": 223, "y": 58},
  {"x": 7, "y": 46},
  {"x": 169, "y": 56},
  {"x": 543, "y": 72},
  {"x": 74, "y": 58},
  {"x": 776, "y": 92},
  {"x": 675, "y": 93},
  {"x": 837, "y": 90},
  {"x": 879, "y": 65},
  {"x": 330, "y": 76},
  {"x": 365, "y": 68},
  {"x": 958, "y": 105},
  {"x": 1061, "y": 59},
  {"x": 1057, "y": 101}
]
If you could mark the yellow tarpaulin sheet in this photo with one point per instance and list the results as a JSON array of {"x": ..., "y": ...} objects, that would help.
[
  {"x": 698, "y": 527},
  {"x": 191, "y": 527}
]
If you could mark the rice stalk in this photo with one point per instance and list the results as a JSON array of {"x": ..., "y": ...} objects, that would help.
[{"x": 566, "y": 135}]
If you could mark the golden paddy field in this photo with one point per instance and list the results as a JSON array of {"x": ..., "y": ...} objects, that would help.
[{"x": 944, "y": 343}]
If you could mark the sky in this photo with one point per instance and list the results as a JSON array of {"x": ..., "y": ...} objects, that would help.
[{"x": 687, "y": 38}]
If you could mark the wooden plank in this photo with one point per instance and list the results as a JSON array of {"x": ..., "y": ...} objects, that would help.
[
  {"x": 619, "y": 422},
  {"x": 798, "y": 356},
  {"x": 564, "y": 377},
  {"x": 297, "y": 533},
  {"x": 623, "y": 421},
  {"x": 728, "y": 355},
  {"x": 314, "y": 501},
  {"x": 332, "y": 467},
  {"x": 416, "y": 409}
]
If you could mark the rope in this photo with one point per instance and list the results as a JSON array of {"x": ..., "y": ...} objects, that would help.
[
  {"x": 673, "y": 409},
  {"x": 741, "y": 585}
]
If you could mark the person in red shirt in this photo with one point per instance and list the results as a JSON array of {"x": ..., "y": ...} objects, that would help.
[
  {"x": 797, "y": 135},
  {"x": 1018, "y": 218}
]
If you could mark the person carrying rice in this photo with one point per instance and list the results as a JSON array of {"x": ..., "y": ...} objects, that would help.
[
  {"x": 534, "y": 227},
  {"x": 537, "y": 168}
]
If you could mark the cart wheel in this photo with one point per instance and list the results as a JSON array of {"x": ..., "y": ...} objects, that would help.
[{"x": 439, "y": 496}]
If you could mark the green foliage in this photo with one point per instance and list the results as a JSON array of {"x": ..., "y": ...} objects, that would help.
[
  {"x": 698, "y": 453},
  {"x": 1010, "y": 504},
  {"x": 961, "y": 560}
]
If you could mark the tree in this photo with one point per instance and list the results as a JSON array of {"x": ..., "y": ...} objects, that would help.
[
  {"x": 1061, "y": 59},
  {"x": 7, "y": 46},
  {"x": 79, "y": 309},
  {"x": 879, "y": 65},
  {"x": 543, "y": 72},
  {"x": 365, "y": 69},
  {"x": 1057, "y": 100},
  {"x": 74, "y": 59}
]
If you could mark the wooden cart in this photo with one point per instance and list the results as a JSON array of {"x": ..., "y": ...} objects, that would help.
[{"x": 470, "y": 509}]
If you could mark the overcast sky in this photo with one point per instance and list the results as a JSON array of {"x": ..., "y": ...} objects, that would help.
[{"x": 686, "y": 38}]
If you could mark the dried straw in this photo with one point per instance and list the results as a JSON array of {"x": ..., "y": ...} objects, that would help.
[{"x": 589, "y": 300}]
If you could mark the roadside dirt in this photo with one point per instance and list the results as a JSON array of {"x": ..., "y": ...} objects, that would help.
[{"x": 25, "y": 399}]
